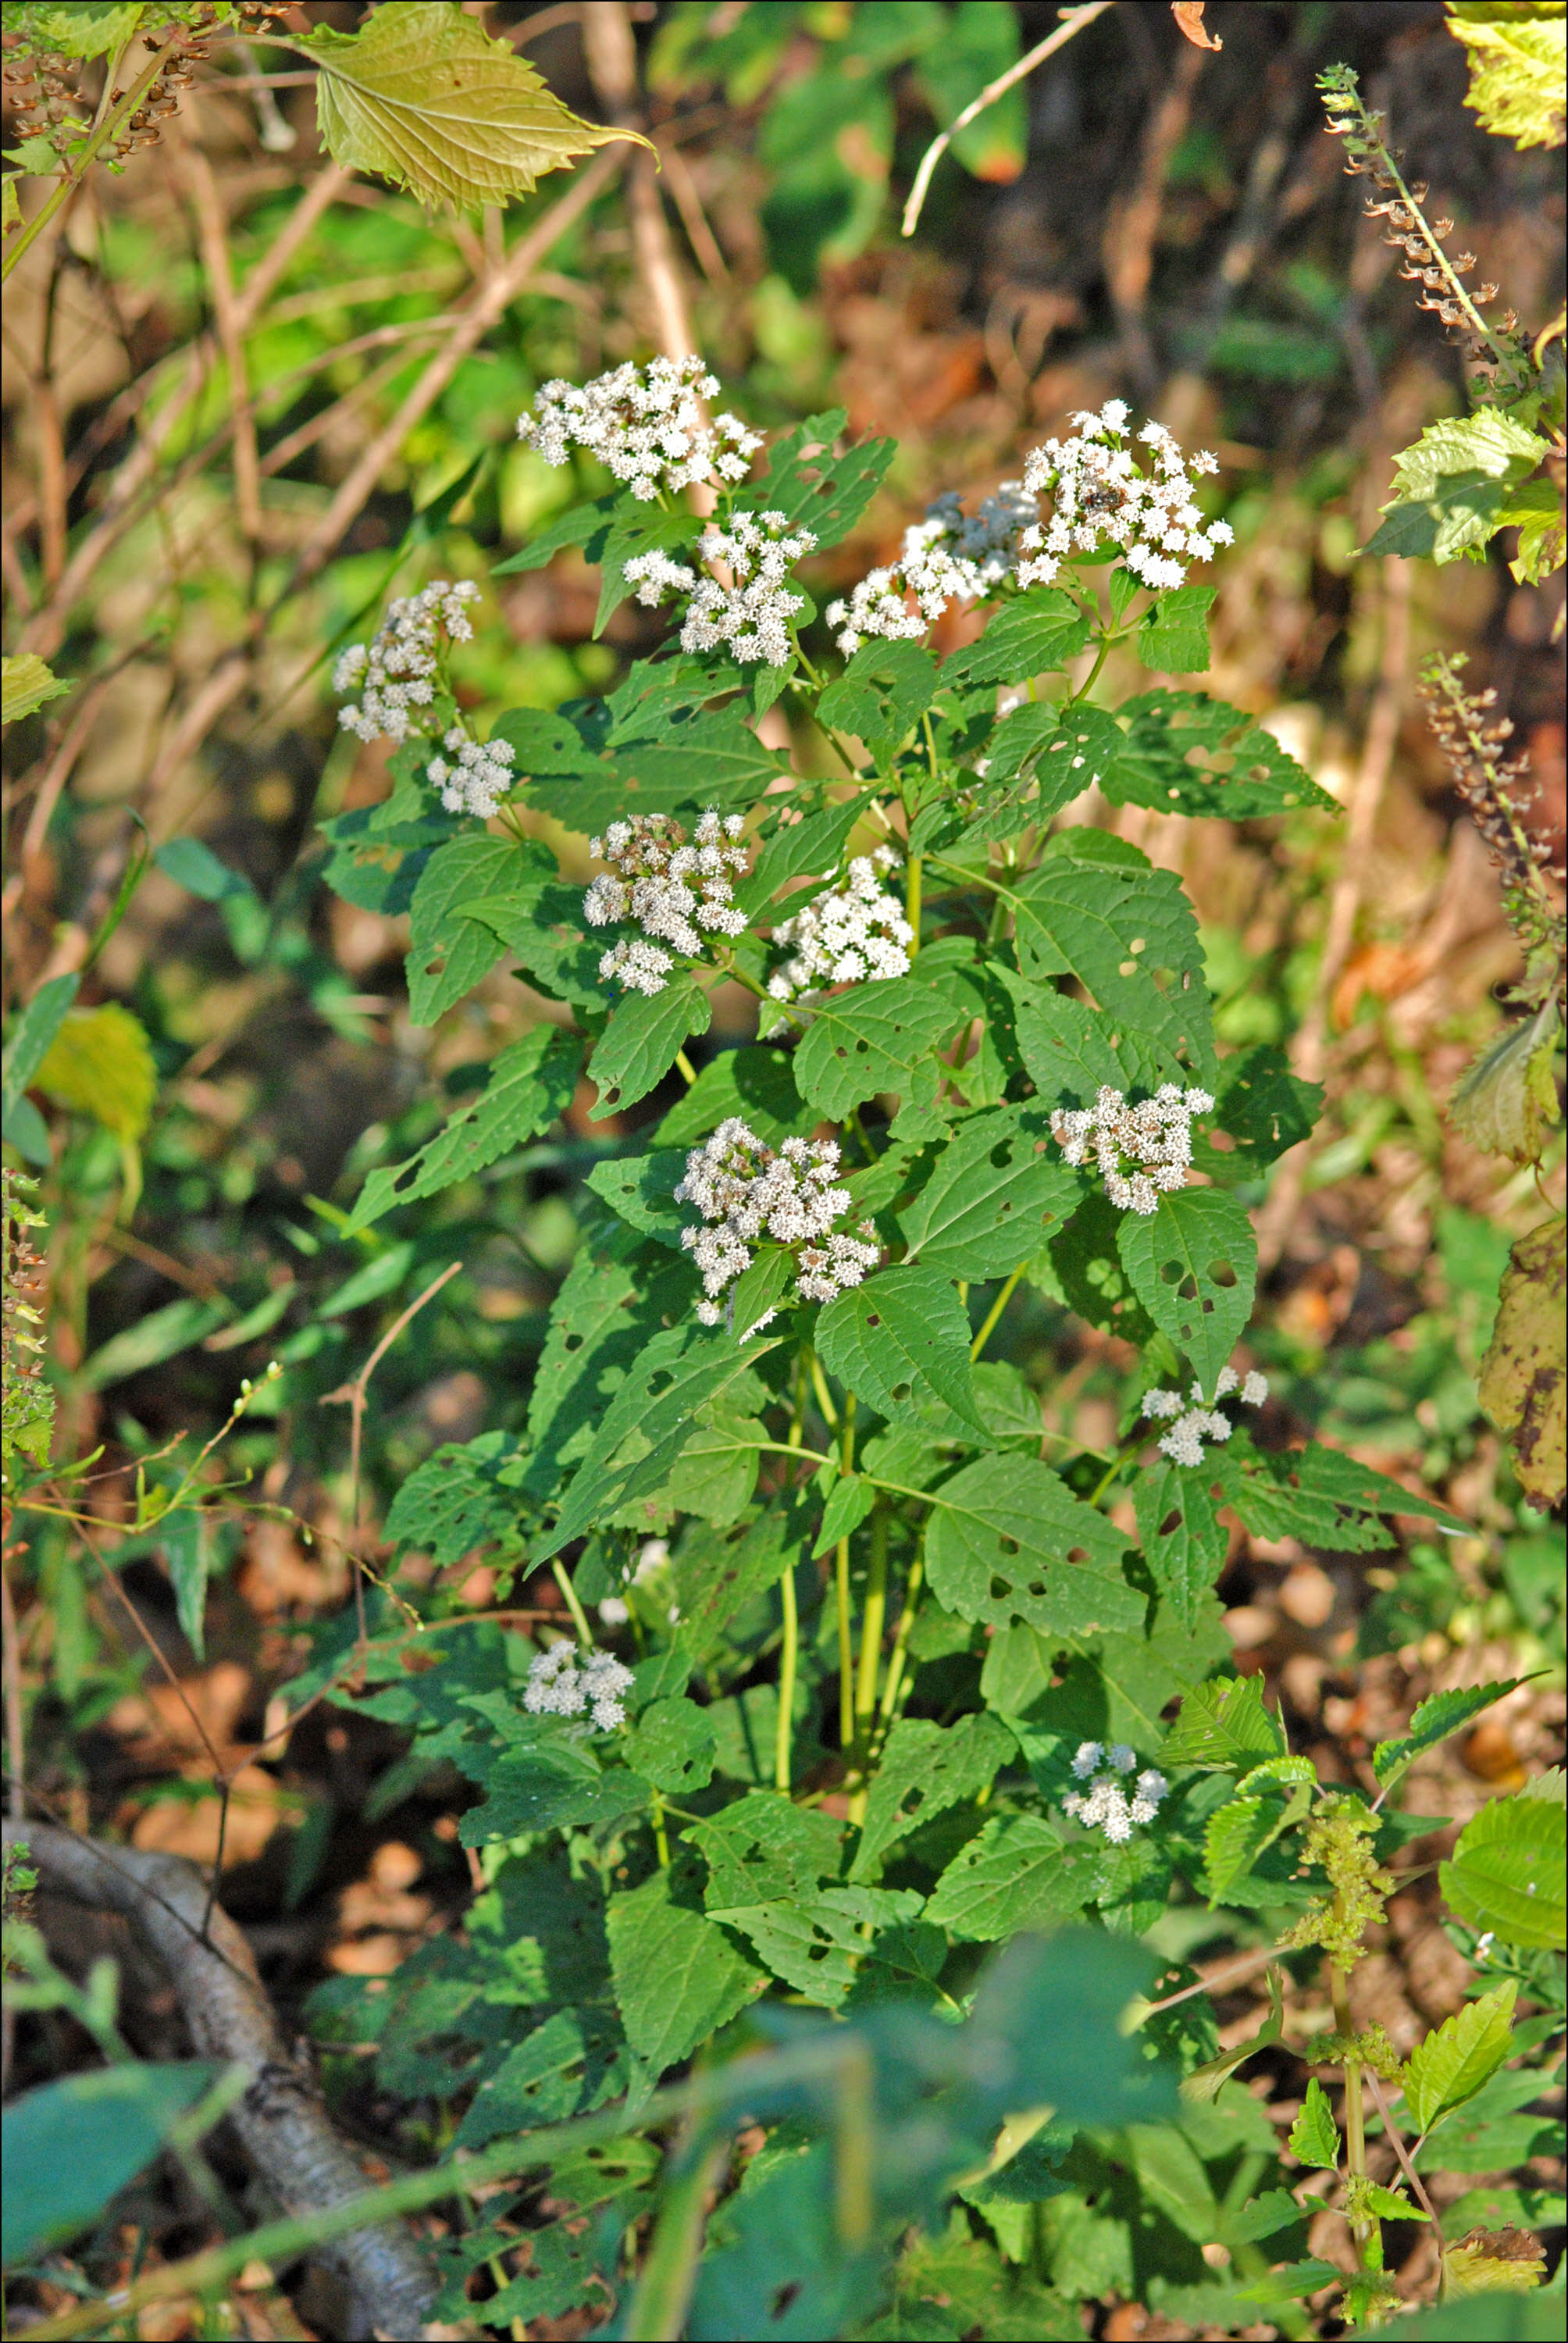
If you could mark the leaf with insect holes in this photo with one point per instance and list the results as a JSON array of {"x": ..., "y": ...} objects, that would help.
[
  {"x": 1183, "y": 1539},
  {"x": 1018, "y": 1874},
  {"x": 1193, "y": 1264},
  {"x": 643, "y": 1039},
  {"x": 1184, "y": 753},
  {"x": 530, "y": 1083},
  {"x": 925, "y": 1768},
  {"x": 1443, "y": 1714},
  {"x": 903, "y": 1328},
  {"x": 1314, "y": 2135},
  {"x": 1009, "y": 1540},
  {"x": 455, "y": 1502},
  {"x": 811, "y": 486},
  {"x": 1459, "y": 2056},
  {"x": 678, "y": 1976},
  {"x": 1036, "y": 633},
  {"x": 1114, "y": 924},
  {"x": 422, "y": 95},
  {"x": 997, "y": 1193},
  {"x": 866, "y": 1039}
]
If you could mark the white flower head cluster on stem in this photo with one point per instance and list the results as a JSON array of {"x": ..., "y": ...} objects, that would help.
[
  {"x": 1194, "y": 1419},
  {"x": 952, "y": 556},
  {"x": 1155, "y": 1137},
  {"x": 855, "y": 933},
  {"x": 1110, "y": 1803},
  {"x": 679, "y": 891},
  {"x": 1101, "y": 495},
  {"x": 560, "y": 1683},
  {"x": 397, "y": 673},
  {"x": 647, "y": 424},
  {"x": 743, "y": 602},
  {"x": 478, "y": 778},
  {"x": 748, "y": 1193}
]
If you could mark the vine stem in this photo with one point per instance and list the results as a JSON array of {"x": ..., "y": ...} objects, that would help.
[
  {"x": 570, "y": 1593},
  {"x": 872, "y": 1620},
  {"x": 994, "y": 1315},
  {"x": 1073, "y": 22}
]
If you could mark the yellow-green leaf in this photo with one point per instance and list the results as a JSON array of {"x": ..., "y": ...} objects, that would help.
[
  {"x": 25, "y": 684},
  {"x": 1494, "y": 2261},
  {"x": 1458, "y": 2056},
  {"x": 1524, "y": 1374},
  {"x": 101, "y": 1061},
  {"x": 1506, "y": 1102},
  {"x": 1517, "y": 62},
  {"x": 423, "y": 97}
]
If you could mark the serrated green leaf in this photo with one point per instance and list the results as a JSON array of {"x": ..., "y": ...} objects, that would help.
[
  {"x": 1171, "y": 2178},
  {"x": 1224, "y": 1723},
  {"x": 865, "y": 1040},
  {"x": 101, "y": 1061},
  {"x": 849, "y": 1499},
  {"x": 1317, "y": 1494},
  {"x": 1314, "y": 2135},
  {"x": 813, "y": 486},
  {"x": 640, "y": 1043},
  {"x": 1243, "y": 1829},
  {"x": 757, "y": 1291},
  {"x": 423, "y": 97},
  {"x": 576, "y": 526},
  {"x": 1516, "y": 68},
  {"x": 1433, "y": 1721},
  {"x": 1506, "y": 1101},
  {"x": 1187, "y": 754},
  {"x": 530, "y": 1083},
  {"x": 644, "y": 529},
  {"x": 754, "y": 1082},
  {"x": 1008, "y": 1541},
  {"x": 552, "y": 1787},
  {"x": 568, "y": 2066},
  {"x": 1016, "y": 1875},
  {"x": 456, "y": 1502},
  {"x": 830, "y": 1943},
  {"x": 925, "y": 1768},
  {"x": 641, "y": 1190},
  {"x": 1112, "y": 925},
  {"x": 1263, "y": 1107},
  {"x": 997, "y": 1193},
  {"x": 1450, "y": 488},
  {"x": 881, "y": 695},
  {"x": 1036, "y": 633},
  {"x": 719, "y": 1572},
  {"x": 808, "y": 848},
  {"x": 678, "y": 1976},
  {"x": 904, "y": 1329},
  {"x": 448, "y": 951},
  {"x": 672, "y": 1745},
  {"x": 707, "y": 757},
  {"x": 1193, "y": 1264},
  {"x": 1459, "y": 2056},
  {"x": 1173, "y": 634},
  {"x": 1506, "y": 1873},
  {"x": 1184, "y": 1540},
  {"x": 26, "y": 684}
]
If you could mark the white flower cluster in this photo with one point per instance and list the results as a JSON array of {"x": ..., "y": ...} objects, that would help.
[
  {"x": 1156, "y": 1133},
  {"x": 1107, "y": 1807},
  {"x": 479, "y": 780},
  {"x": 396, "y": 674},
  {"x": 559, "y": 1686},
  {"x": 646, "y": 424},
  {"x": 675, "y": 892},
  {"x": 653, "y": 1556},
  {"x": 1098, "y": 492},
  {"x": 857, "y": 930},
  {"x": 1193, "y": 1421},
  {"x": 950, "y": 556},
  {"x": 747, "y": 1191},
  {"x": 747, "y": 604}
]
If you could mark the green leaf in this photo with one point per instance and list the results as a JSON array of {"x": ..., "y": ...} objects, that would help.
[
  {"x": 26, "y": 684},
  {"x": 456, "y": 1502},
  {"x": 1173, "y": 633},
  {"x": 71, "y": 2146},
  {"x": 1036, "y": 633},
  {"x": 1113, "y": 926},
  {"x": 1314, "y": 2135},
  {"x": 1224, "y": 1723},
  {"x": 1433, "y": 1721},
  {"x": 1061, "y": 752},
  {"x": 904, "y": 1329},
  {"x": 185, "y": 1541},
  {"x": 1240, "y": 1832},
  {"x": 678, "y": 1976},
  {"x": 1506, "y": 1872},
  {"x": 672, "y": 1744},
  {"x": 977, "y": 43},
  {"x": 33, "y": 1031},
  {"x": 1317, "y": 1494},
  {"x": 1184, "y": 1541},
  {"x": 101, "y": 1061},
  {"x": 1451, "y": 488},
  {"x": 196, "y": 869},
  {"x": 754, "y": 1082},
  {"x": 815, "y": 489},
  {"x": 1525, "y": 1370},
  {"x": 763, "y": 1850},
  {"x": 1016, "y": 1875},
  {"x": 810, "y": 849},
  {"x": 865, "y": 1040},
  {"x": 994, "y": 1198},
  {"x": 642, "y": 529},
  {"x": 1505, "y": 1103},
  {"x": 641, "y": 1190},
  {"x": 881, "y": 695},
  {"x": 1203, "y": 2085},
  {"x": 1171, "y": 2179},
  {"x": 760, "y": 1290},
  {"x": 550, "y": 1788},
  {"x": 161, "y": 1336},
  {"x": 1193, "y": 1264},
  {"x": 1263, "y": 1107},
  {"x": 449, "y": 950},
  {"x": 423, "y": 97},
  {"x": 1291, "y": 2283},
  {"x": 925, "y": 1768},
  {"x": 821, "y": 1945},
  {"x": 1516, "y": 68},
  {"x": 576, "y": 526},
  {"x": 1460, "y": 2056},
  {"x": 1008, "y": 1541},
  {"x": 640, "y": 1043},
  {"x": 1388, "y": 2204},
  {"x": 565, "y": 2066},
  {"x": 707, "y": 757},
  {"x": 530, "y": 1083},
  {"x": 647, "y": 1424},
  {"x": 1187, "y": 754}
]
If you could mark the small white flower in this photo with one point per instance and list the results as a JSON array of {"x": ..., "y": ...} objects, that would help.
[
  {"x": 854, "y": 933},
  {"x": 677, "y": 891},
  {"x": 1155, "y": 1133},
  {"x": 1120, "y": 1758},
  {"x": 645, "y": 424},
  {"x": 559, "y": 1685},
  {"x": 1087, "y": 1759},
  {"x": 1193, "y": 1421},
  {"x": 747, "y": 1192},
  {"x": 1107, "y": 1808}
]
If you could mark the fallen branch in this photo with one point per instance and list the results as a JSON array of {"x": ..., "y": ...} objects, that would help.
[{"x": 280, "y": 2121}]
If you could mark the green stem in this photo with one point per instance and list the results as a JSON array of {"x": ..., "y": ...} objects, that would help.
[
  {"x": 1092, "y": 678},
  {"x": 824, "y": 1399},
  {"x": 685, "y": 1069},
  {"x": 657, "y": 2311},
  {"x": 915, "y": 876},
  {"x": 994, "y": 1313},
  {"x": 660, "y": 1837},
  {"x": 899, "y": 1660},
  {"x": 108, "y": 129},
  {"x": 1355, "y": 2119},
  {"x": 579, "y": 1616},
  {"x": 872, "y": 1620},
  {"x": 841, "y": 1584},
  {"x": 788, "y": 1660}
]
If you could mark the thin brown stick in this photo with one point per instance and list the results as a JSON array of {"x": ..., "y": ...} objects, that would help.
[
  {"x": 1074, "y": 21},
  {"x": 1134, "y": 221},
  {"x": 610, "y": 47},
  {"x": 150, "y": 1640},
  {"x": 677, "y": 177},
  {"x": 1397, "y": 2143},
  {"x": 15, "y": 1744},
  {"x": 1221, "y": 1980},
  {"x": 212, "y": 229}
]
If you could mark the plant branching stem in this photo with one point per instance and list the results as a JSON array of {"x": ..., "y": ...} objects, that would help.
[
  {"x": 994, "y": 1315},
  {"x": 109, "y": 127},
  {"x": 873, "y": 1619},
  {"x": 1355, "y": 2119},
  {"x": 1073, "y": 22}
]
